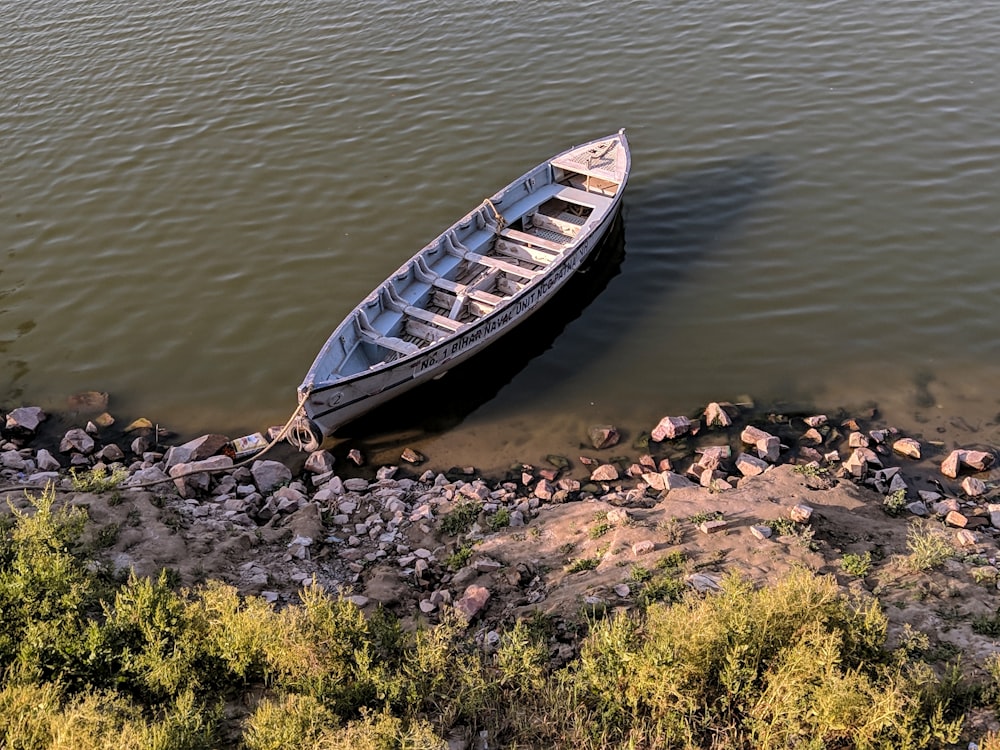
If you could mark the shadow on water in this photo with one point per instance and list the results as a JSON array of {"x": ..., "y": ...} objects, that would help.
[{"x": 672, "y": 224}]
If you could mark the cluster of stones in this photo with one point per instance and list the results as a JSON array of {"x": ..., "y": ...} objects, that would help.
[{"x": 335, "y": 530}]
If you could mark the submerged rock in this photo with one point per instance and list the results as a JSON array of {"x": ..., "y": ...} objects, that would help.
[{"x": 603, "y": 436}]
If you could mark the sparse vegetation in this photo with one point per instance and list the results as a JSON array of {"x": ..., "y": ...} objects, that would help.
[
  {"x": 929, "y": 548},
  {"x": 582, "y": 563},
  {"x": 498, "y": 520},
  {"x": 458, "y": 559},
  {"x": 698, "y": 518},
  {"x": 460, "y": 519},
  {"x": 672, "y": 531},
  {"x": 97, "y": 479},
  {"x": 599, "y": 530}
]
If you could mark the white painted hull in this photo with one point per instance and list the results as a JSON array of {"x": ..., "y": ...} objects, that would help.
[{"x": 332, "y": 398}]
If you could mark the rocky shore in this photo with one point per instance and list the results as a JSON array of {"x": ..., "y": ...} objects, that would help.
[{"x": 722, "y": 491}]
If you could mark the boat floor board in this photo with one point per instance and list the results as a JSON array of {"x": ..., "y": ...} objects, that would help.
[
  {"x": 433, "y": 318},
  {"x": 486, "y": 260},
  {"x": 526, "y": 238},
  {"x": 517, "y": 251}
]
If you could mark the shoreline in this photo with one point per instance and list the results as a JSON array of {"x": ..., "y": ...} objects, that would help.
[{"x": 609, "y": 528}]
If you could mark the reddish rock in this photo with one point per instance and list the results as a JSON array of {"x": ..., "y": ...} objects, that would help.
[
  {"x": 472, "y": 601},
  {"x": 951, "y": 465},
  {"x": 954, "y": 518},
  {"x": 604, "y": 473},
  {"x": 355, "y": 457},
  {"x": 716, "y": 416},
  {"x": 603, "y": 436},
  {"x": 713, "y": 456},
  {"x": 750, "y": 466},
  {"x": 752, "y": 435},
  {"x": 978, "y": 460},
  {"x": 907, "y": 447},
  {"x": 817, "y": 421},
  {"x": 857, "y": 440},
  {"x": 669, "y": 428},
  {"x": 643, "y": 548},
  {"x": 544, "y": 490},
  {"x": 412, "y": 457},
  {"x": 973, "y": 487},
  {"x": 812, "y": 436},
  {"x": 655, "y": 481},
  {"x": 712, "y": 527},
  {"x": 801, "y": 513}
]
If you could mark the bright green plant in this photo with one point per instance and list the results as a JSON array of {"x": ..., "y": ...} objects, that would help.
[
  {"x": 857, "y": 565},
  {"x": 895, "y": 502}
]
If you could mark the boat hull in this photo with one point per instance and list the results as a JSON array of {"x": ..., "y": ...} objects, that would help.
[{"x": 331, "y": 402}]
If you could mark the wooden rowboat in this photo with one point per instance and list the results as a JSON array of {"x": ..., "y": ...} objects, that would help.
[{"x": 481, "y": 277}]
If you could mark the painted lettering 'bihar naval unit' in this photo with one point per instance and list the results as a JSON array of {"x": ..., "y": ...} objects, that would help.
[{"x": 478, "y": 279}]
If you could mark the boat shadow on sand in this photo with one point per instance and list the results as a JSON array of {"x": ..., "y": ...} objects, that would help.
[{"x": 672, "y": 223}]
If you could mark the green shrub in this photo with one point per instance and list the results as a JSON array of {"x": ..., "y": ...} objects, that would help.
[
  {"x": 460, "y": 519},
  {"x": 929, "y": 547},
  {"x": 499, "y": 520},
  {"x": 857, "y": 565}
]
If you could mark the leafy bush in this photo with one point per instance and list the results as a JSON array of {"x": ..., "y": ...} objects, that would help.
[{"x": 857, "y": 565}]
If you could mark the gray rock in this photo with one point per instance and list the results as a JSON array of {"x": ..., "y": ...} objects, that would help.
[
  {"x": 46, "y": 461},
  {"x": 77, "y": 440},
  {"x": 356, "y": 484},
  {"x": 13, "y": 460},
  {"x": 761, "y": 531},
  {"x": 25, "y": 420},
  {"x": 270, "y": 474},
  {"x": 110, "y": 453},
  {"x": 674, "y": 481},
  {"x": 319, "y": 462}
]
